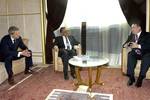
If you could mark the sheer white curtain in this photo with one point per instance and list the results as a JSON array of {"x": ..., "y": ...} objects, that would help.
[
  {"x": 94, "y": 12},
  {"x": 107, "y": 28}
]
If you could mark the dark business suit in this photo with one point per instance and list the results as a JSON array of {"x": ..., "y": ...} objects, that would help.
[
  {"x": 8, "y": 51},
  {"x": 66, "y": 54},
  {"x": 131, "y": 38},
  {"x": 144, "y": 56}
]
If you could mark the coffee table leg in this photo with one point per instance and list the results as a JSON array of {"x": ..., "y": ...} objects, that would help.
[
  {"x": 90, "y": 77},
  {"x": 78, "y": 76},
  {"x": 97, "y": 81}
]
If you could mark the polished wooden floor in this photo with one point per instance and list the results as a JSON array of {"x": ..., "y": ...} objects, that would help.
[{"x": 38, "y": 85}]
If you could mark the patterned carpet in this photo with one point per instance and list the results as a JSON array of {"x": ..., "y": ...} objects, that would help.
[{"x": 38, "y": 85}]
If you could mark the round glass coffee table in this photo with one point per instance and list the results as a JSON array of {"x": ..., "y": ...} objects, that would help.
[{"x": 90, "y": 63}]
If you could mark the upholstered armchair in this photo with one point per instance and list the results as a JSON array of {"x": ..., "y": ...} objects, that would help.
[
  {"x": 58, "y": 66},
  {"x": 18, "y": 66},
  {"x": 125, "y": 51}
]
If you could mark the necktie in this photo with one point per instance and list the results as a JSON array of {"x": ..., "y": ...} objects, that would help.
[
  {"x": 136, "y": 38},
  {"x": 138, "y": 51},
  {"x": 67, "y": 43},
  {"x": 14, "y": 41}
]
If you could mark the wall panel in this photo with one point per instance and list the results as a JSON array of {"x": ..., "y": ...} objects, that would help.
[
  {"x": 3, "y": 7},
  {"x": 31, "y": 6},
  {"x": 148, "y": 15},
  {"x": 3, "y": 26},
  {"x": 33, "y": 28},
  {"x": 15, "y": 6},
  {"x": 17, "y": 21}
]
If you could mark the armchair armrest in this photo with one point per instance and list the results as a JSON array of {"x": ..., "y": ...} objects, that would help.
[
  {"x": 78, "y": 49},
  {"x": 55, "y": 55},
  {"x": 124, "y": 60}
]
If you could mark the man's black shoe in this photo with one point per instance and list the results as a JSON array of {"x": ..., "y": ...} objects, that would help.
[
  {"x": 11, "y": 81},
  {"x": 73, "y": 76},
  {"x": 130, "y": 81},
  {"x": 66, "y": 77},
  {"x": 30, "y": 71},
  {"x": 139, "y": 82}
]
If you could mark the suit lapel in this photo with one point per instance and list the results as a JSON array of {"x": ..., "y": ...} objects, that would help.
[
  {"x": 62, "y": 41},
  {"x": 13, "y": 45},
  {"x": 70, "y": 39},
  {"x": 141, "y": 37},
  {"x": 10, "y": 41}
]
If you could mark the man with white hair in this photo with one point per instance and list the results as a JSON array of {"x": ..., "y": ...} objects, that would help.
[{"x": 9, "y": 51}]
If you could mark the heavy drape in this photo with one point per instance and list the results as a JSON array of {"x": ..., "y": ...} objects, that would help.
[
  {"x": 134, "y": 9},
  {"x": 55, "y": 15}
]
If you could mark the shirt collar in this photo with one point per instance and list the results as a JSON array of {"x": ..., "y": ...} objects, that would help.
[
  {"x": 139, "y": 33},
  {"x": 12, "y": 38}
]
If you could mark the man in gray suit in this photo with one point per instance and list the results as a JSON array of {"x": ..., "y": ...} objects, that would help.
[{"x": 66, "y": 43}]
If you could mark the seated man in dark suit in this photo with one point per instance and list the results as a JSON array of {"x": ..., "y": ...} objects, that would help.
[
  {"x": 66, "y": 43},
  {"x": 8, "y": 48},
  {"x": 139, "y": 42}
]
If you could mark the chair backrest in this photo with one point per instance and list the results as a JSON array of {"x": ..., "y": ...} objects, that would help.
[{"x": 25, "y": 41}]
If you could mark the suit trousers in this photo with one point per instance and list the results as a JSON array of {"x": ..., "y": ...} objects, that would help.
[
  {"x": 65, "y": 56},
  {"x": 8, "y": 64},
  {"x": 132, "y": 61}
]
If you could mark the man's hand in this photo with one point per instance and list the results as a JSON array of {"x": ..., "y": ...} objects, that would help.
[
  {"x": 56, "y": 48},
  {"x": 26, "y": 53},
  {"x": 133, "y": 45}
]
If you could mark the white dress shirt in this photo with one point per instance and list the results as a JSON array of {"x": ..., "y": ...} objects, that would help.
[
  {"x": 138, "y": 34},
  {"x": 67, "y": 44},
  {"x": 19, "y": 53}
]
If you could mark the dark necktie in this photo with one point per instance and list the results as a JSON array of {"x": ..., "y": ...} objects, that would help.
[
  {"x": 67, "y": 43},
  {"x": 136, "y": 38},
  {"x": 14, "y": 41}
]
